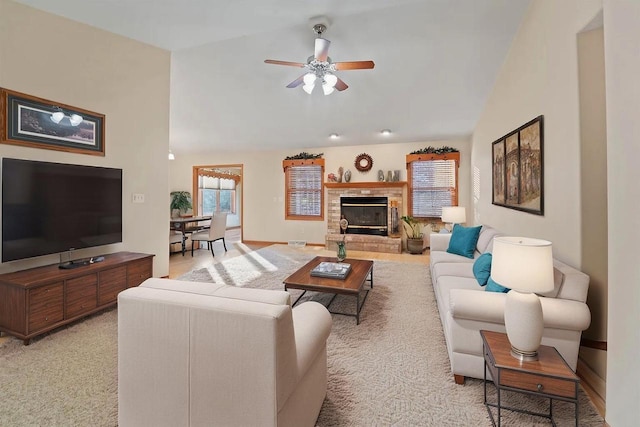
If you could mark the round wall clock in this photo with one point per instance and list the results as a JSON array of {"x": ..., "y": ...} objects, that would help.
[{"x": 363, "y": 162}]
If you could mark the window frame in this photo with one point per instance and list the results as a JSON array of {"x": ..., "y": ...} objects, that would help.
[
  {"x": 411, "y": 158},
  {"x": 287, "y": 166},
  {"x": 217, "y": 191}
]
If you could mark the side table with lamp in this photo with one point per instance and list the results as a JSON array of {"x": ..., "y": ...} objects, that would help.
[{"x": 517, "y": 362}]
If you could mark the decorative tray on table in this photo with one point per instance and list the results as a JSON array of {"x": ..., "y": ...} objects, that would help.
[{"x": 332, "y": 270}]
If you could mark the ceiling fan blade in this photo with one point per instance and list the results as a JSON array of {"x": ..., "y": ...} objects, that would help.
[
  {"x": 322, "y": 49},
  {"x": 354, "y": 65},
  {"x": 340, "y": 85},
  {"x": 297, "y": 82},
  {"x": 292, "y": 64}
]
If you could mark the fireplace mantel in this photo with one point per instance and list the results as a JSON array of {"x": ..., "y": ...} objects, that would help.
[{"x": 374, "y": 184}]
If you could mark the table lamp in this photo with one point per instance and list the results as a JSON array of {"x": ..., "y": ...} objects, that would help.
[
  {"x": 453, "y": 215},
  {"x": 525, "y": 266}
]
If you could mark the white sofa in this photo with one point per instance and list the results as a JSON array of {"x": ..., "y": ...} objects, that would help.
[
  {"x": 465, "y": 308},
  {"x": 201, "y": 354}
]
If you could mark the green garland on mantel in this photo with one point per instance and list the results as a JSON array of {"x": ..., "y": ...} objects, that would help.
[
  {"x": 304, "y": 155},
  {"x": 431, "y": 150}
]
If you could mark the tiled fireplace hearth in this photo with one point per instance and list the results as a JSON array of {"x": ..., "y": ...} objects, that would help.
[{"x": 393, "y": 191}]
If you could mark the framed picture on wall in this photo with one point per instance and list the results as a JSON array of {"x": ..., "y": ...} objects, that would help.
[
  {"x": 40, "y": 123},
  {"x": 517, "y": 166}
]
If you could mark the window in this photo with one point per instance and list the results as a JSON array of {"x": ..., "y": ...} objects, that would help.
[
  {"x": 433, "y": 183},
  {"x": 216, "y": 195},
  {"x": 304, "y": 189}
]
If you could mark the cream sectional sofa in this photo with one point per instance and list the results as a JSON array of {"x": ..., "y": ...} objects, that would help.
[
  {"x": 465, "y": 308},
  {"x": 201, "y": 354}
]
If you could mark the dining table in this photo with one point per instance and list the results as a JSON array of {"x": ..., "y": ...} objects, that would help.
[{"x": 187, "y": 225}]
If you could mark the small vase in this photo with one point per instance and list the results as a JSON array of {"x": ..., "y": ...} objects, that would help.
[{"x": 342, "y": 251}]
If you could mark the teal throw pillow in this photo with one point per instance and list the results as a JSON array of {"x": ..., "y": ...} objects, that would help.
[
  {"x": 482, "y": 268},
  {"x": 463, "y": 240},
  {"x": 492, "y": 286}
]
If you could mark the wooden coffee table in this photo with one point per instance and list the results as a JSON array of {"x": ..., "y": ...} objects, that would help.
[{"x": 352, "y": 285}]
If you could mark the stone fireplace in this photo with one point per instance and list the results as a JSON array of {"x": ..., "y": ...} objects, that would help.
[{"x": 388, "y": 237}]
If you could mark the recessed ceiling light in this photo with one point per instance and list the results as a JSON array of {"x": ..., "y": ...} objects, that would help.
[
  {"x": 385, "y": 132},
  {"x": 333, "y": 136}
]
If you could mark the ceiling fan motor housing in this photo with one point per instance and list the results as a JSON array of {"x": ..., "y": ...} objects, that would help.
[{"x": 319, "y": 24}]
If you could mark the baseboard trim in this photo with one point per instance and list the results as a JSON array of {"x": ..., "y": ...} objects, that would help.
[
  {"x": 595, "y": 386},
  {"x": 598, "y": 345},
  {"x": 266, "y": 242}
]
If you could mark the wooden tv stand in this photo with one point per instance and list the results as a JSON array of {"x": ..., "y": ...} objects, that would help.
[{"x": 40, "y": 299}]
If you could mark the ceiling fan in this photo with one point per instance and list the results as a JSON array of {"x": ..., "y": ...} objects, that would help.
[{"x": 320, "y": 67}]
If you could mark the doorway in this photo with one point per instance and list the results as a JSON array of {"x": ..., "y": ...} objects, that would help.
[{"x": 218, "y": 188}]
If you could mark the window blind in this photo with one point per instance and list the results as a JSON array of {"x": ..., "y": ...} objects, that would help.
[
  {"x": 304, "y": 190},
  {"x": 433, "y": 185}
]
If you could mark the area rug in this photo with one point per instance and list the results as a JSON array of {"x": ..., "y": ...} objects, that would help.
[{"x": 392, "y": 369}]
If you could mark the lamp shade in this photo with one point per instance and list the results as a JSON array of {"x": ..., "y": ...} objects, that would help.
[
  {"x": 454, "y": 214},
  {"x": 309, "y": 79},
  {"x": 327, "y": 88},
  {"x": 523, "y": 264},
  {"x": 330, "y": 79}
]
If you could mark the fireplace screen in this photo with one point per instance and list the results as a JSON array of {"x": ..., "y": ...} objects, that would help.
[{"x": 366, "y": 215}]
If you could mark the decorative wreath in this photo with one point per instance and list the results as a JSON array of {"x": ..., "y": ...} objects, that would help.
[{"x": 363, "y": 162}]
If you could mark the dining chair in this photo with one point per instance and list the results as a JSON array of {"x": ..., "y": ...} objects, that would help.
[{"x": 215, "y": 232}]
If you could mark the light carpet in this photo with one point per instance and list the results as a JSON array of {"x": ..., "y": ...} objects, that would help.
[{"x": 392, "y": 369}]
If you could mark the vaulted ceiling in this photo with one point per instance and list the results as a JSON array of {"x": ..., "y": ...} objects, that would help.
[{"x": 435, "y": 64}]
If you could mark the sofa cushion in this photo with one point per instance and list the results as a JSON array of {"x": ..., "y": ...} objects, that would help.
[
  {"x": 458, "y": 269},
  {"x": 485, "y": 240},
  {"x": 482, "y": 268},
  {"x": 441, "y": 256},
  {"x": 463, "y": 240},
  {"x": 447, "y": 283},
  {"x": 492, "y": 286}
]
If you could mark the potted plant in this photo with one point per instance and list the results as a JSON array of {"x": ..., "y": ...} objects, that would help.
[
  {"x": 413, "y": 228},
  {"x": 180, "y": 203}
]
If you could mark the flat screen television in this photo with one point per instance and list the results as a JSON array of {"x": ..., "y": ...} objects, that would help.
[{"x": 49, "y": 208}]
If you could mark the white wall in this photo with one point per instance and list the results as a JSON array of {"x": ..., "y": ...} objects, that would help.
[
  {"x": 263, "y": 182},
  {"x": 622, "y": 62},
  {"x": 593, "y": 159},
  {"x": 123, "y": 79},
  {"x": 539, "y": 76}
]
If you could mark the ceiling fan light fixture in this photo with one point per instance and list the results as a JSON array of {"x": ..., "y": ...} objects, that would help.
[
  {"x": 319, "y": 66},
  {"x": 327, "y": 89},
  {"x": 385, "y": 132},
  {"x": 330, "y": 79},
  {"x": 309, "y": 79},
  {"x": 333, "y": 136}
]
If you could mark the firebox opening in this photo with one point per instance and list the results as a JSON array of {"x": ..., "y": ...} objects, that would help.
[{"x": 365, "y": 215}]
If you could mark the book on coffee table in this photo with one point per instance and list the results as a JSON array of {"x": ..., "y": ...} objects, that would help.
[{"x": 332, "y": 270}]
